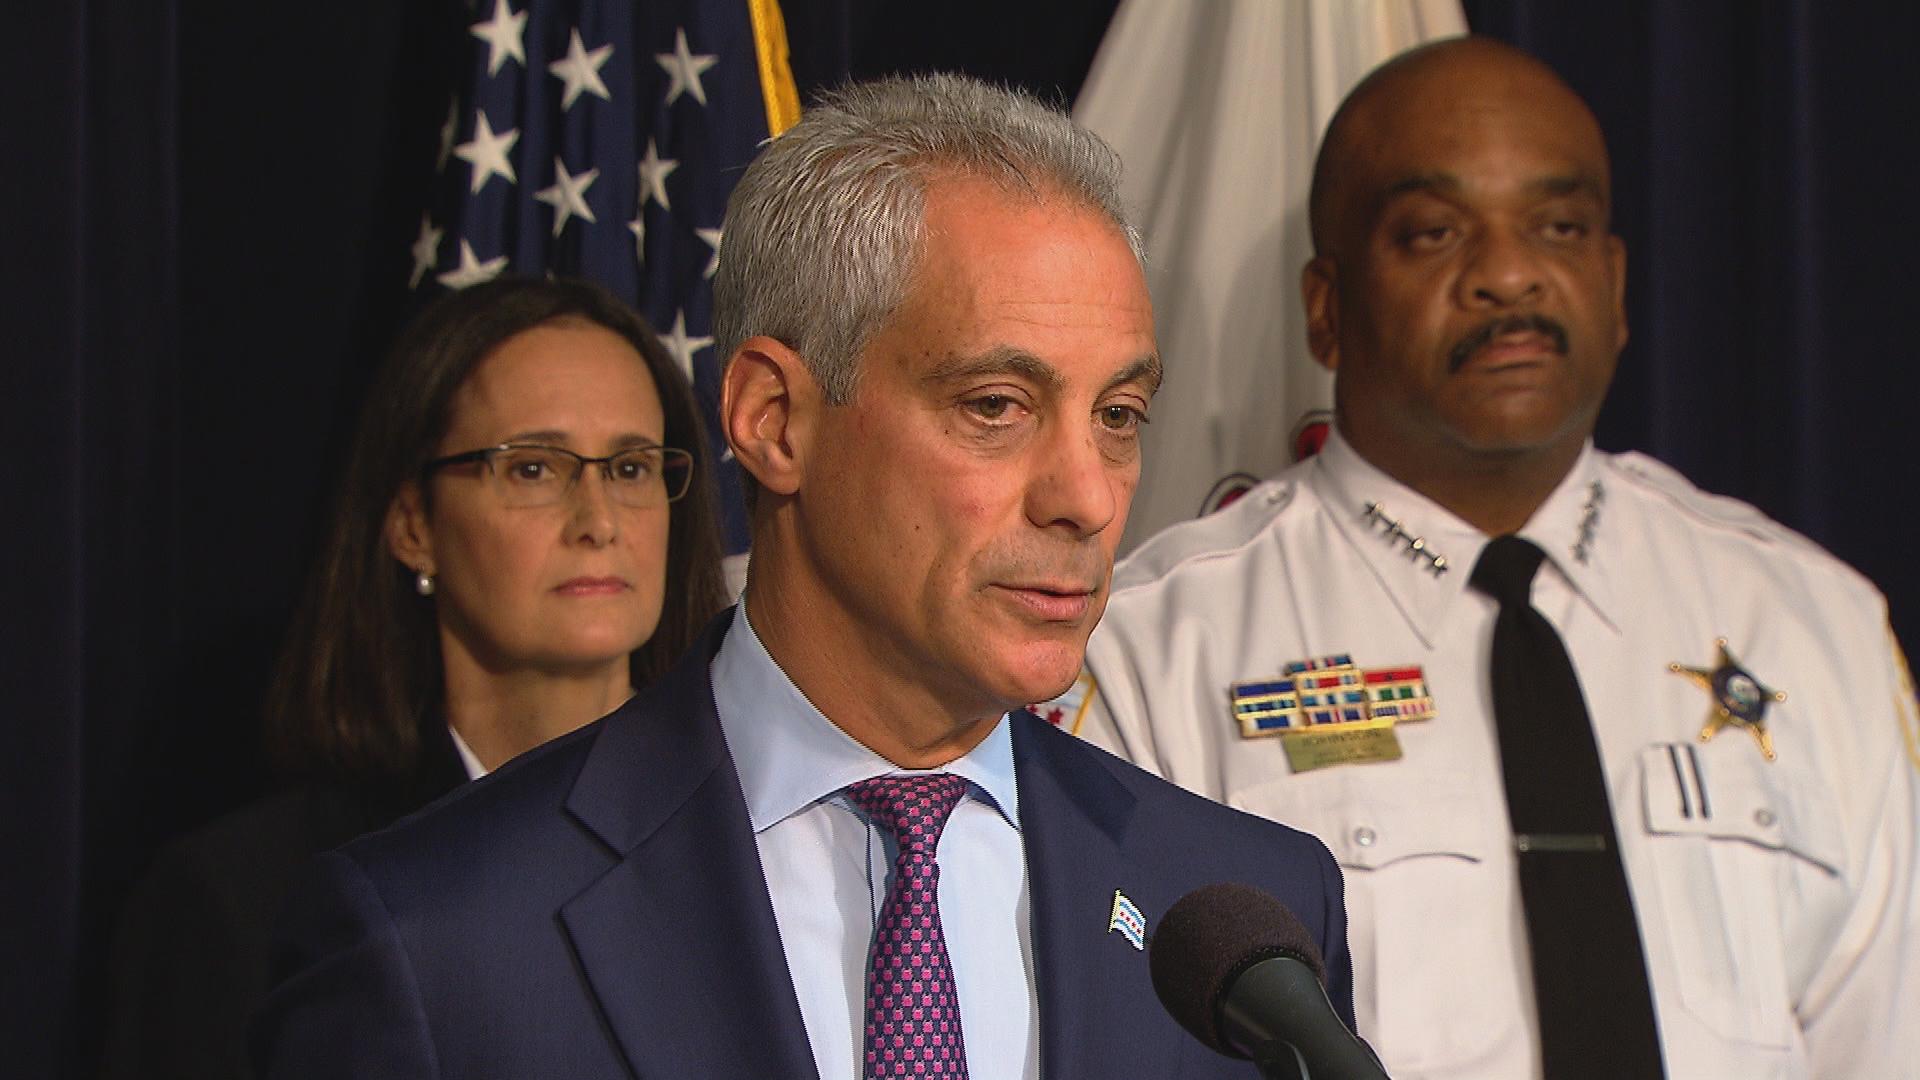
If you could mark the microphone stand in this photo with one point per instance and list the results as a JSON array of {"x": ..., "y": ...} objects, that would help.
[
  {"x": 1280, "y": 1061},
  {"x": 1282, "y": 987}
]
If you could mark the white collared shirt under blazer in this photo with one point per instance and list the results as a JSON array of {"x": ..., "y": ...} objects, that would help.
[{"x": 1777, "y": 900}]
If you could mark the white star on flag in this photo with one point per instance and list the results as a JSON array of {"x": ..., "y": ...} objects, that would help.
[
  {"x": 580, "y": 71},
  {"x": 613, "y": 189},
  {"x": 426, "y": 250},
  {"x": 681, "y": 346},
  {"x": 471, "y": 270},
  {"x": 712, "y": 237},
  {"x": 684, "y": 68},
  {"x": 653, "y": 177},
  {"x": 568, "y": 195},
  {"x": 502, "y": 33},
  {"x": 487, "y": 152}
]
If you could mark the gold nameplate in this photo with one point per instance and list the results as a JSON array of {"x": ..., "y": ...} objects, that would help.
[{"x": 1348, "y": 744}]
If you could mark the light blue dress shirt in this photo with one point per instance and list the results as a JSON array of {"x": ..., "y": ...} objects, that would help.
[{"x": 828, "y": 867}]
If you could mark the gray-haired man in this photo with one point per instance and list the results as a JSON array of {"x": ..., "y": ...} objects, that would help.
[{"x": 831, "y": 843}]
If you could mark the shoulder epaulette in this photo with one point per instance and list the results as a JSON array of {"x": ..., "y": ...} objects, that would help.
[
  {"x": 1725, "y": 512},
  {"x": 1666, "y": 481},
  {"x": 1222, "y": 531}
]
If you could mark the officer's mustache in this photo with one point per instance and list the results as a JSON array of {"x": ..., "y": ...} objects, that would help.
[{"x": 1513, "y": 324}]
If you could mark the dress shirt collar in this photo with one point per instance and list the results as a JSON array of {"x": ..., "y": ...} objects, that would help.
[
  {"x": 469, "y": 760},
  {"x": 1572, "y": 528},
  {"x": 789, "y": 756},
  {"x": 1423, "y": 554}
]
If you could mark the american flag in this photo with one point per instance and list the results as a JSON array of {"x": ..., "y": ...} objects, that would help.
[{"x": 600, "y": 140}]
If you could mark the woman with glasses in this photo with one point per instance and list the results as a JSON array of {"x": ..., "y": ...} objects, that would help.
[{"x": 524, "y": 537}]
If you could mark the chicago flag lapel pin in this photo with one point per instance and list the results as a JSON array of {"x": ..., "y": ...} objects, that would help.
[{"x": 1127, "y": 919}]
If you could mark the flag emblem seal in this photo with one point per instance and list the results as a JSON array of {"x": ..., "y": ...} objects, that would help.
[{"x": 1126, "y": 919}]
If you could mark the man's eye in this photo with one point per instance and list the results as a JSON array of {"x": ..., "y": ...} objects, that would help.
[
  {"x": 1567, "y": 230},
  {"x": 1427, "y": 239},
  {"x": 1121, "y": 418},
  {"x": 991, "y": 406}
]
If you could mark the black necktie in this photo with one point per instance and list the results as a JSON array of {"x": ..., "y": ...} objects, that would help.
[{"x": 1589, "y": 975}]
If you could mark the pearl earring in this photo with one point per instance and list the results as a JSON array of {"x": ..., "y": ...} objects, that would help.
[{"x": 423, "y": 583}]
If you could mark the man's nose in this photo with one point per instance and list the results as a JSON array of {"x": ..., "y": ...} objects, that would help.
[
  {"x": 1076, "y": 484},
  {"x": 1503, "y": 270}
]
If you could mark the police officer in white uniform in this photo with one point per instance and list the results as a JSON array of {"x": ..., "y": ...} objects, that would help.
[{"x": 1315, "y": 653}]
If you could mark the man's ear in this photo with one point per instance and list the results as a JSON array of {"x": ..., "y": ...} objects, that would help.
[
  {"x": 409, "y": 537},
  {"x": 1320, "y": 289},
  {"x": 1617, "y": 253},
  {"x": 769, "y": 408}
]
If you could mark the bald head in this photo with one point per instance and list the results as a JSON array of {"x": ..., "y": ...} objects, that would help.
[
  {"x": 1458, "y": 75},
  {"x": 1466, "y": 288}
]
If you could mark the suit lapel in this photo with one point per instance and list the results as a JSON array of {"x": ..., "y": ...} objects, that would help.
[
  {"x": 1098, "y": 1012},
  {"x": 678, "y": 941}
]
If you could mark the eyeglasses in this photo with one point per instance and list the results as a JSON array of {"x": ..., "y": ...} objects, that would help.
[{"x": 526, "y": 475}]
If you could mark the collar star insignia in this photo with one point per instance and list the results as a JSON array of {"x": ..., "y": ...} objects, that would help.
[
  {"x": 1416, "y": 547},
  {"x": 1739, "y": 699}
]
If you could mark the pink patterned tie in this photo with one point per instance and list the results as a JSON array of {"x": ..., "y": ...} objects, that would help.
[{"x": 913, "y": 1014}]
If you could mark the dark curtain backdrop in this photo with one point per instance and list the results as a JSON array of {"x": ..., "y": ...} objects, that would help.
[
  {"x": 1762, "y": 159},
  {"x": 207, "y": 215}
]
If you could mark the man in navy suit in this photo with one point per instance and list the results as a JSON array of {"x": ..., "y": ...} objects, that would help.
[{"x": 941, "y": 353}]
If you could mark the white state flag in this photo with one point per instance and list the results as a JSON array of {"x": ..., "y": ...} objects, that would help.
[{"x": 1217, "y": 109}]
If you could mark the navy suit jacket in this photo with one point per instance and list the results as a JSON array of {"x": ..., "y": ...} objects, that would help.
[{"x": 597, "y": 909}]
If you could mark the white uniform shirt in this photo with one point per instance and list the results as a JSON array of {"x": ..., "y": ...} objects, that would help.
[{"x": 1777, "y": 900}]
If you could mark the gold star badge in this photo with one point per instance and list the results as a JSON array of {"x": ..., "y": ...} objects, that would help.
[{"x": 1738, "y": 698}]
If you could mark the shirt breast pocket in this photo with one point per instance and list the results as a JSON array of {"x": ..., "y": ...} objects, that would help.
[
  {"x": 1424, "y": 892},
  {"x": 1732, "y": 837}
]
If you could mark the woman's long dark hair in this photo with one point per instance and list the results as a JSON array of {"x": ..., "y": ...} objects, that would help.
[{"x": 361, "y": 677}]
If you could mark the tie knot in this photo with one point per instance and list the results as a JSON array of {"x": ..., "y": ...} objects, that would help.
[
  {"x": 1505, "y": 570},
  {"x": 913, "y": 808}
]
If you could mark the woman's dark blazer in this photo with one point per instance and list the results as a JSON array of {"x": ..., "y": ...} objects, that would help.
[{"x": 190, "y": 954}]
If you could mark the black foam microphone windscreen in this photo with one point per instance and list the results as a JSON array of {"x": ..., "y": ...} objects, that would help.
[
  {"x": 1238, "y": 969},
  {"x": 1208, "y": 938}
]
